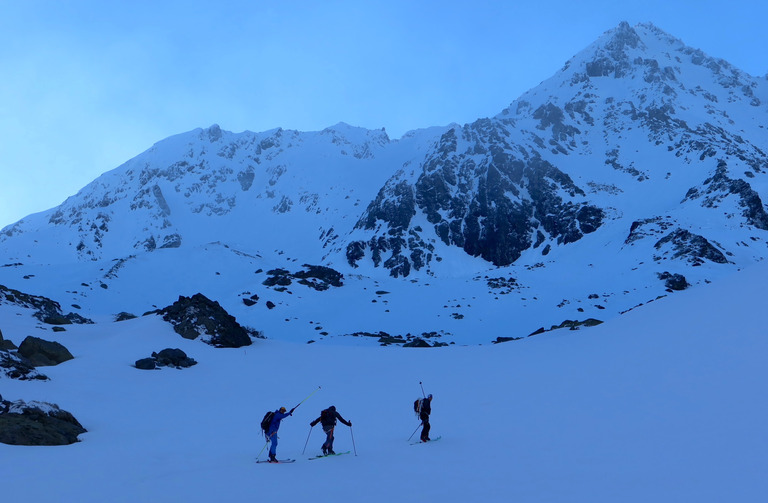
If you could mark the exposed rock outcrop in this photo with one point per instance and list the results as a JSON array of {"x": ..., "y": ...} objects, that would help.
[
  {"x": 123, "y": 316},
  {"x": 691, "y": 246},
  {"x": 37, "y": 423},
  {"x": 46, "y": 310},
  {"x": 14, "y": 366},
  {"x": 198, "y": 316},
  {"x": 482, "y": 193},
  {"x": 317, "y": 277},
  {"x": 6, "y": 345},
  {"x": 166, "y": 358},
  {"x": 42, "y": 353},
  {"x": 674, "y": 281},
  {"x": 719, "y": 186}
]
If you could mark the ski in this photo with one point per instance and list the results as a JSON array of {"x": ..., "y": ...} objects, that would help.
[
  {"x": 431, "y": 440},
  {"x": 279, "y": 461},
  {"x": 329, "y": 455}
]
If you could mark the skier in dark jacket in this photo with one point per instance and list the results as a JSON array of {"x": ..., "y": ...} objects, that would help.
[
  {"x": 328, "y": 419},
  {"x": 424, "y": 411},
  {"x": 280, "y": 414}
]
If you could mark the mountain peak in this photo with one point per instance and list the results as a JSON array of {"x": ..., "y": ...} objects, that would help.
[
  {"x": 623, "y": 36},
  {"x": 213, "y": 132}
]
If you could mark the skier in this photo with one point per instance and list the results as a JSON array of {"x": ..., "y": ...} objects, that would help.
[
  {"x": 328, "y": 419},
  {"x": 425, "y": 410},
  {"x": 280, "y": 414}
]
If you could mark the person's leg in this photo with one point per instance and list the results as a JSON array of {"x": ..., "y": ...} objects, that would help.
[
  {"x": 425, "y": 430},
  {"x": 328, "y": 441},
  {"x": 273, "y": 445}
]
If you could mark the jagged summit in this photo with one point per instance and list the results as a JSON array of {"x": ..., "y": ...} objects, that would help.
[{"x": 652, "y": 65}]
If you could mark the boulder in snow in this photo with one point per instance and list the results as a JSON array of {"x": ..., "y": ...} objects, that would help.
[
  {"x": 44, "y": 353},
  {"x": 37, "y": 423},
  {"x": 146, "y": 364}
]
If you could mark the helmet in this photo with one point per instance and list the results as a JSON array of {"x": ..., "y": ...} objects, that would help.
[
  {"x": 332, "y": 408},
  {"x": 429, "y": 396},
  {"x": 282, "y": 409}
]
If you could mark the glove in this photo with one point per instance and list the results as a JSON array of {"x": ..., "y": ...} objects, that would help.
[
  {"x": 350, "y": 424},
  {"x": 290, "y": 412}
]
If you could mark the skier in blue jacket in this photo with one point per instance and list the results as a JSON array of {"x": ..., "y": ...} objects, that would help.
[{"x": 280, "y": 414}]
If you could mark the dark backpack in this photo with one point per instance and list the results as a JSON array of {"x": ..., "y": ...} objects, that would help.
[
  {"x": 267, "y": 421},
  {"x": 417, "y": 406},
  {"x": 327, "y": 418}
]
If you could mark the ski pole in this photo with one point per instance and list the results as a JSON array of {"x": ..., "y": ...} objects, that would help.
[
  {"x": 262, "y": 449},
  {"x": 414, "y": 432},
  {"x": 305, "y": 443},
  {"x": 353, "y": 440},
  {"x": 301, "y": 402},
  {"x": 422, "y": 390}
]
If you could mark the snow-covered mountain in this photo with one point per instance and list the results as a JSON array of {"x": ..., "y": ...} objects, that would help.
[{"x": 638, "y": 168}]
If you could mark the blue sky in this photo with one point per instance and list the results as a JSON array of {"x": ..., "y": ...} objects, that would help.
[{"x": 86, "y": 85}]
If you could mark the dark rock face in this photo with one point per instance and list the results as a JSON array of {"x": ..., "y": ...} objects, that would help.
[
  {"x": 42, "y": 353},
  {"x": 17, "y": 367},
  {"x": 612, "y": 60},
  {"x": 6, "y": 345},
  {"x": 490, "y": 206},
  {"x": 197, "y": 316},
  {"x": 146, "y": 364},
  {"x": 47, "y": 310},
  {"x": 317, "y": 277},
  {"x": 648, "y": 227},
  {"x": 278, "y": 277},
  {"x": 417, "y": 343},
  {"x": 123, "y": 316},
  {"x": 395, "y": 204},
  {"x": 692, "y": 246},
  {"x": 720, "y": 186},
  {"x": 174, "y": 357},
  {"x": 37, "y": 423},
  {"x": 674, "y": 281},
  {"x": 166, "y": 358}
]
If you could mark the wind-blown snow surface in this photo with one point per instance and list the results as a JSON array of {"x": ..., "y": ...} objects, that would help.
[{"x": 665, "y": 403}]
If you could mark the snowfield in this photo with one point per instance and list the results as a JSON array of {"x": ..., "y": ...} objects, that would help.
[{"x": 665, "y": 403}]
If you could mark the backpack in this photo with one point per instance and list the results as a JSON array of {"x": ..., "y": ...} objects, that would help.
[
  {"x": 327, "y": 418},
  {"x": 267, "y": 421},
  {"x": 417, "y": 406}
]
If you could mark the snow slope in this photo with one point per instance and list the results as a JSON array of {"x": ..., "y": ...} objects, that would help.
[{"x": 665, "y": 404}]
